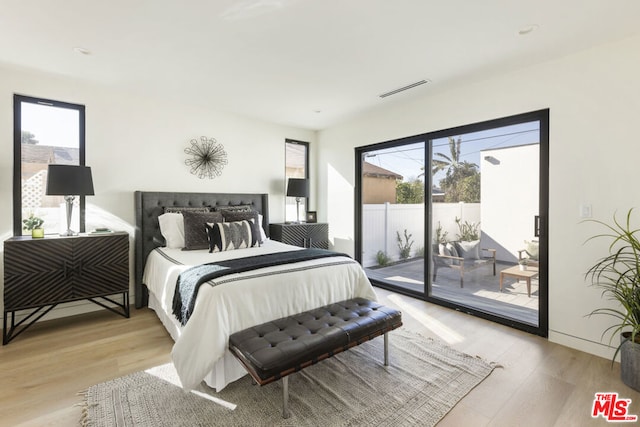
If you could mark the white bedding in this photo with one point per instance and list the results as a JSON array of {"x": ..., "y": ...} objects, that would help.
[{"x": 200, "y": 350}]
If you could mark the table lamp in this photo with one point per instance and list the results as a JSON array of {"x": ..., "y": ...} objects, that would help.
[
  {"x": 69, "y": 181},
  {"x": 298, "y": 188}
]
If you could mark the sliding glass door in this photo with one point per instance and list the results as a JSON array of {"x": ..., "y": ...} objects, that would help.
[{"x": 457, "y": 217}]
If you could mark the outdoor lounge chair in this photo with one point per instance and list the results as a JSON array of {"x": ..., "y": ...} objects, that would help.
[
  {"x": 531, "y": 253},
  {"x": 462, "y": 259}
]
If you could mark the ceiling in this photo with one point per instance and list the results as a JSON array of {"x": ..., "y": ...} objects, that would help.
[{"x": 306, "y": 63}]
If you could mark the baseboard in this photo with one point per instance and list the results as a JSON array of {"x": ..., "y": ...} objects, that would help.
[{"x": 587, "y": 346}]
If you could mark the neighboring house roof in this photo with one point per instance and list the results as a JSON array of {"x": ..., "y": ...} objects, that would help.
[
  {"x": 32, "y": 153},
  {"x": 377, "y": 172},
  {"x": 46, "y": 154}
]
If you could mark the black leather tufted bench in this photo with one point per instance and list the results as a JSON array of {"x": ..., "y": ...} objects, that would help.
[{"x": 275, "y": 349}]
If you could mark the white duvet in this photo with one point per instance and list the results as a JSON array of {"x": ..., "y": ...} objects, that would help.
[{"x": 200, "y": 351}]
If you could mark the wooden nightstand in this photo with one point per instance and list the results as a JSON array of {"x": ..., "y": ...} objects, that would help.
[
  {"x": 42, "y": 273},
  {"x": 306, "y": 235}
]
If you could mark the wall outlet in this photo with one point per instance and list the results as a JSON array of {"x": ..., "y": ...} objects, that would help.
[{"x": 585, "y": 210}]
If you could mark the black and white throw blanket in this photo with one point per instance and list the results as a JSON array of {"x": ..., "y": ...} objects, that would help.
[{"x": 190, "y": 280}]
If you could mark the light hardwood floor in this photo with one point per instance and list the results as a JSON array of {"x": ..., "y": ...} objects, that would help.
[{"x": 540, "y": 383}]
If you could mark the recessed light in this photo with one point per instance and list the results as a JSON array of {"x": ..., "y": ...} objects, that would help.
[
  {"x": 81, "y": 50},
  {"x": 528, "y": 29}
]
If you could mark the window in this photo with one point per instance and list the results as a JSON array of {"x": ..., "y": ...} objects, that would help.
[
  {"x": 44, "y": 132},
  {"x": 431, "y": 208},
  {"x": 296, "y": 166}
]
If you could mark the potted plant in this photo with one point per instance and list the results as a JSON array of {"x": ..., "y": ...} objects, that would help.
[
  {"x": 34, "y": 224},
  {"x": 618, "y": 276},
  {"x": 523, "y": 264}
]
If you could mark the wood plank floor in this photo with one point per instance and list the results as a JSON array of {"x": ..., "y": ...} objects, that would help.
[{"x": 540, "y": 384}]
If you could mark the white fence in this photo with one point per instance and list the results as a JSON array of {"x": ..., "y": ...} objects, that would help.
[{"x": 381, "y": 223}]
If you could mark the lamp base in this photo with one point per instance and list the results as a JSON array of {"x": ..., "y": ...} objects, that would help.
[{"x": 69, "y": 205}]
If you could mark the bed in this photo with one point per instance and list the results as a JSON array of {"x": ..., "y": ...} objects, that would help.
[{"x": 237, "y": 301}]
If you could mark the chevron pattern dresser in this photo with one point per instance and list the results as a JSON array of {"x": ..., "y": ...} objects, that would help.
[
  {"x": 42, "y": 273},
  {"x": 306, "y": 235}
]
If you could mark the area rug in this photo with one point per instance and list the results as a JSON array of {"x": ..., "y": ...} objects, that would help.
[{"x": 424, "y": 381}]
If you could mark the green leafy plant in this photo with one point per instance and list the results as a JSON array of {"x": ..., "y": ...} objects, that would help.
[
  {"x": 405, "y": 247},
  {"x": 441, "y": 235},
  {"x": 618, "y": 276},
  {"x": 32, "y": 222},
  {"x": 469, "y": 231},
  {"x": 382, "y": 258}
]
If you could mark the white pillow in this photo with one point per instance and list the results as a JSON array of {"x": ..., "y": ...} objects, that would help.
[
  {"x": 263, "y": 235},
  {"x": 172, "y": 229}
]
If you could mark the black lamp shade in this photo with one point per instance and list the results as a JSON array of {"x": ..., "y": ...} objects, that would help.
[
  {"x": 69, "y": 180},
  {"x": 298, "y": 187}
]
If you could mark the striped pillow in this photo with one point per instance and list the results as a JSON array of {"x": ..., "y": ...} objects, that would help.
[{"x": 227, "y": 236}]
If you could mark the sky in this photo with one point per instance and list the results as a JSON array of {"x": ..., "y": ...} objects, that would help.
[
  {"x": 408, "y": 160},
  {"x": 51, "y": 125}
]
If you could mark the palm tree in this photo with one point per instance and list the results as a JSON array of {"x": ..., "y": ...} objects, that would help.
[
  {"x": 446, "y": 162},
  {"x": 462, "y": 180}
]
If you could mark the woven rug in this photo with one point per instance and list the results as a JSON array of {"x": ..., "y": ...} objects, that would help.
[{"x": 425, "y": 380}]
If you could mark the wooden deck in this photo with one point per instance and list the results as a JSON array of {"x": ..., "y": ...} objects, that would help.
[{"x": 481, "y": 289}]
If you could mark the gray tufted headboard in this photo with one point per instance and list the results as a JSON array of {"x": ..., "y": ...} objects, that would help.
[{"x": 149, "y": 205}]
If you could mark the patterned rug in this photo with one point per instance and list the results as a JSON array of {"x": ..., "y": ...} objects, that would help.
[{"x": 425, "y": 380}]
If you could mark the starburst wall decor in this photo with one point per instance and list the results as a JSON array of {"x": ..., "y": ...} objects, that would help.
[{"x": 208, "y": 158}]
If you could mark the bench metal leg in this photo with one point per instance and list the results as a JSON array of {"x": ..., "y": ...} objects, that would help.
[
  {"x": 285, "y": 398},
  {"x": 386, "y": 349}
]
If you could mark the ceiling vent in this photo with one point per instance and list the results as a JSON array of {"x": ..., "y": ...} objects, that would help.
[{"x": 402, "y": 89}]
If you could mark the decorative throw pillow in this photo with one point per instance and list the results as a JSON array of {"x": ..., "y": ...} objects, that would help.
[
  {"x": 233, "y": 208},
  {"x": 454, "y": 252},
  {"x": 533, "y": 250},
  {"x": 263, "y": 234},
  {"x": 468, "y": 250},
  {"x": 172, "y": 229},
  {"x": 443, "y": 250},
  {"x": 195, "y": 231},
  {"x": 180, "y": 209},
  {"x": 452, "y": 249},
  {"x": 228, "y": 236},
  {"x": 253, "y": 216}
]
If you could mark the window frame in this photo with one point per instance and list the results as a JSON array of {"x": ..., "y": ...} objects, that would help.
[
  {"x": 17, "y": 152},
  {"x": 306, "y": 170}
]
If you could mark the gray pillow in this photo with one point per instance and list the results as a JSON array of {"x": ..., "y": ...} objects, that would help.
[
  {"x": 195, "y": 229},
  {"x": 180, "y": 209},
  {"x": 233, "y": 208},
  {"x": 454, "y": 252},
  {"x": 468, "y": 250},
  {"x": 443, "y": 250},
  {"x": 452, "y": 249}
]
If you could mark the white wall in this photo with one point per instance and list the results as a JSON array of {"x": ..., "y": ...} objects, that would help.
[
  {"x": 510, "y": 198},
  {"x": 594, "y": 101},
  {"x": 137, "y": 143}
]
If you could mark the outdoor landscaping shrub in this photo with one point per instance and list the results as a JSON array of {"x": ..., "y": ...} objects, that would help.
[
  {"x": 469, "y": 231},
  {"x": 382, "y": 258},
  {"x": 441, "y": 236},
  {"x": 405, "y": 247}
]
